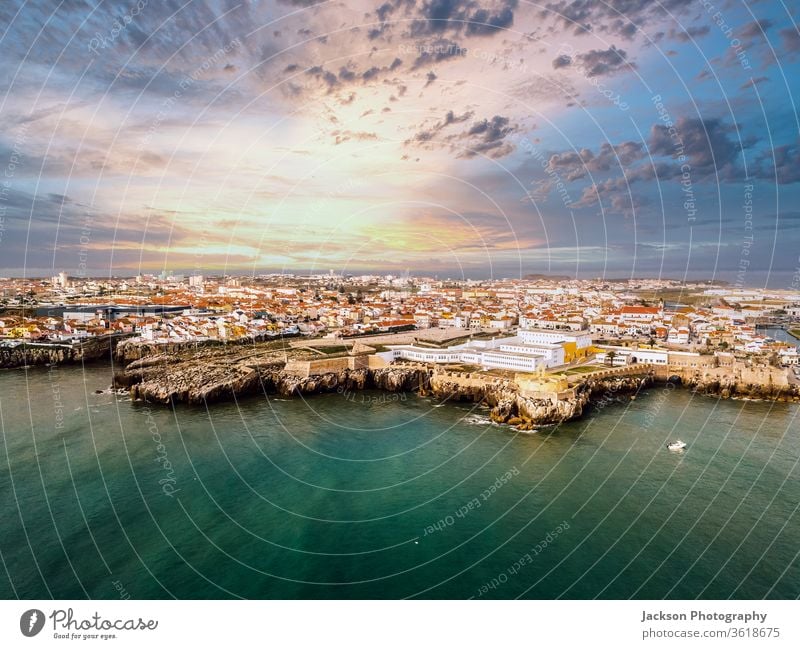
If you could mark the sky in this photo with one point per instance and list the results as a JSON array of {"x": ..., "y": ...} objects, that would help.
[{"x": 479, "y": 138}]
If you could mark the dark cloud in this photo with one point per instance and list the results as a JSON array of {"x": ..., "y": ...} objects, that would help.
[
  {"x": 598, "y": 63},
  {"x": 345, "y": 74},
  {"x": 710, "y": 147},
  {"x": 384, "y": 11},
  {"x": 302, "y": 3},
  {"x": 753, "y": 82},
  {"x": 756, "y": 29},
  {"x": 613, "y": 196},
  {"x": 574, "y": 165},
  {"x": 689, "y": 34},
  {"x": 325, "y": 76},
  {"x": 487, "y": 137},
  {"x": 440, "y": 16},
  {"x": 436, "y": 51},
  {"x": 371, "y": 73},
  {"x": 482, "y": 22},
  {"x": 450, "y": 118},
  {"x": 781, "y": 164},
  {"x": 615, "y": 17},
  {"x": 709, "y": 144},
  {"x": 790, "y": 38},
  {"x": 562, "y": 61}
]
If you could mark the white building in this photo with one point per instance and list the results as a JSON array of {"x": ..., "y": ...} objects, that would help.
[
  {"x": 511, "y": 353},
  {"x": 632, "y": 355},
  {"x": 582, "y": 339},
  {"x": 487, "y": 357}
]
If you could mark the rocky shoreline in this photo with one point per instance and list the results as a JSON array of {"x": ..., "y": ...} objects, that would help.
[
  {"x": 222, "y": 375},
  {"x": 26, "y": 354},
  {"x": 210, "y": 376}
]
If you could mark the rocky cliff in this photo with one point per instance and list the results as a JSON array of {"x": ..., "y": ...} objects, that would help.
[
  {"x": 739, "y": 381},
  {"x": 208, "y": 377},
  {"x": 24, "y": 354},
  {"x": 161, "y": 381}
]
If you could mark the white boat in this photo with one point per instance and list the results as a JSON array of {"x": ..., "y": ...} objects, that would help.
[{"x": 677, "y": 445}]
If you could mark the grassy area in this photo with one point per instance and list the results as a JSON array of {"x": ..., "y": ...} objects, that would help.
[
  {"x": 794, "y": 332},
  {"x": 444, "y": 344},
  {"x": 333, "y": 349},
  {"x": 582, "y": 369},
  {"x": 673, "y": 295}
]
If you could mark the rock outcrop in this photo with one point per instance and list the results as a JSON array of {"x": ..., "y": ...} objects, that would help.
[
  {"x": 208, "y": 375},
  {"x": 90, "y": 349}
]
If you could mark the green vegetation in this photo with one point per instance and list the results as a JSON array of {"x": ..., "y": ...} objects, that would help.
[
  {"x": 334, "y": 349},
  {"x": 682, "y": 296},
  {"x": 794, "y": 332},
  {"x": 582, "y": 369}
]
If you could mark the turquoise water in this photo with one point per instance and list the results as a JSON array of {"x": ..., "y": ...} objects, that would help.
[{"x": 390, "y": 496}]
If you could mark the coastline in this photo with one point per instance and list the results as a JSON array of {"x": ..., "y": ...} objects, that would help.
[
  {"x": 30, "y": 354},
  {"x": 206, "y": 377},
  {"x": 189, "y": 374}
]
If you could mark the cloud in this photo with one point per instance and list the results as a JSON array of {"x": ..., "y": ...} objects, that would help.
[
  {"x": 356, "y": 136},
  {"x": 790, "y": 38},
  {"x": 575, "y": 165},
  {"x": 709, "y": 144},
  {"x": 688, "y": 34},
  {"x": 457, "y": 16},
  {"x": 436, "y": 51},
  {"x": 753, "y": 82},
  {"x": 326, "y": 76},
  {"x": 621, "y": 18},
  {"x": 613, "y": 196},
  {"x": 482, "y": 22},
  {"x": 782, "y": 164},
  {"x": 598, "y": 63},
  {"x": 487, "y": 137},
  {"x": 756, "y": 28},
  {"x": 302, "y": 3},
  {"x": 562, "y": 61},
  {"x": 450, "y": 118}
]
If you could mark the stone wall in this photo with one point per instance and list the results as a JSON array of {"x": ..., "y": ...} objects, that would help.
[{"x": 317, "y": 367}]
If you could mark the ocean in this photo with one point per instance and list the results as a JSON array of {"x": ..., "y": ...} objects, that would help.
[{"x": 377, "y": 495}]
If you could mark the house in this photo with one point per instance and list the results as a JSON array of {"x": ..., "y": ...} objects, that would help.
[{"x": 678, "y": 336}]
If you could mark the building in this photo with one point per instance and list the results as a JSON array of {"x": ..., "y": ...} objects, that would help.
[
  {"x": 522, "y": 353},
  {"x": 488, "y": 357},
  {"x": 633, "y": 355},
  {"x": 574, "y": 343}
]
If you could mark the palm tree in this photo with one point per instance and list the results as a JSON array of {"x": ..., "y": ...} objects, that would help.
[{"x": 610, "y": 356}]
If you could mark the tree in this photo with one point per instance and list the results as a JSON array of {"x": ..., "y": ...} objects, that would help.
[{"x": 610, "y": 356}]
